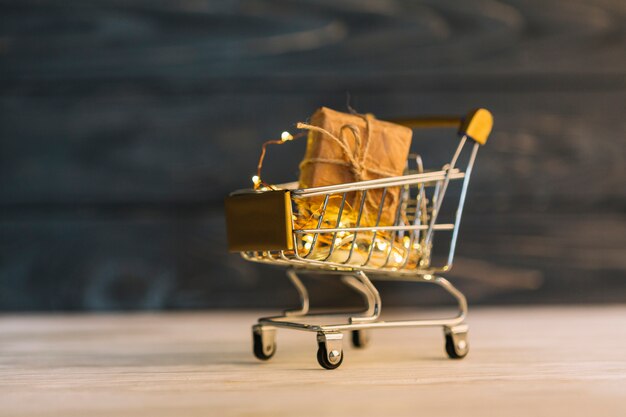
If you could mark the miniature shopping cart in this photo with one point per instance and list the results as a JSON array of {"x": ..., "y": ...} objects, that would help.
[{"x": 263, "y": 227}]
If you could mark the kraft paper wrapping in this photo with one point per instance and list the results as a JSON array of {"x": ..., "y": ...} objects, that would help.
[{"x": 376, "y": 149}]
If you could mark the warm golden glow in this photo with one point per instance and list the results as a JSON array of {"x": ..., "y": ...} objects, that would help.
[
  {"x": 381, "y": 245},
  {"x": 285, "y": 136}
]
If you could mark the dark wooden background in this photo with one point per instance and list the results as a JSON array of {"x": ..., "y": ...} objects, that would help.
[{"x": 123, "y": 125}]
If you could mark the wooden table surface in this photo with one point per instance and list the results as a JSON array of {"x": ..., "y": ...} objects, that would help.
[{"x": 568, "y": 361}]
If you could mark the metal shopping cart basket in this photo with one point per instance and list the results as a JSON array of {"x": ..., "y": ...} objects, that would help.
[{"x": 262, "y": 226}]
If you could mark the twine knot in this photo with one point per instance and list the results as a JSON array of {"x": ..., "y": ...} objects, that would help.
[{"x": 355, "y": 159}]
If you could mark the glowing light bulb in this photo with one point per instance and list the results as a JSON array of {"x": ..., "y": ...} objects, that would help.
[
  {"x": 256, "y": 180},
  {"x": 285, "y": 136},
  {"x": 381, "y": 245}
]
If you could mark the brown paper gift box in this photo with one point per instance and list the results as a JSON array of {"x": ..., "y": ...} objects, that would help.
[{"x": 381, "y": 152}]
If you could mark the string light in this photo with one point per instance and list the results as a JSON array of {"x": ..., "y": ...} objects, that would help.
[
  {"x": 308, "y": 241},
  {"x": 381, "y": 245},
  {"x": 285, "y": 136}
]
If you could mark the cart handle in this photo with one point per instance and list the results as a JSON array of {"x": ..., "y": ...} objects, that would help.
[{"x": 476, "y": 124}]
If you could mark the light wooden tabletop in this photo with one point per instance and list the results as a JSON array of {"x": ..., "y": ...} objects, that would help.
[{"x": 568, "y": 361}]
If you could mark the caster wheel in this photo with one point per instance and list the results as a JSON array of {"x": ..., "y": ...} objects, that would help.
[
  {"x": 263, "y": 344},
  {"x": 336, "y": 357},
  {"x": 360, "y": 338},
  {"x": 456, "y": 345}
]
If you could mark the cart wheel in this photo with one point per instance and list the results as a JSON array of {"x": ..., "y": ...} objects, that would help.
[
  {"x": 360, "y": 338},
  {"x": 336, "y": 357},
  {"x": 456, "y": 342},
  {"x": 263, "y": 342}
]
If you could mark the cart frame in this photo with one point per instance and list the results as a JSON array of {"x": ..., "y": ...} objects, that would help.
[{"x": 421, "y": 227}]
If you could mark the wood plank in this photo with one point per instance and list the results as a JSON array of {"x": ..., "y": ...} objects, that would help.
[
  {"x": 155, "y": 260},
  {"x": 123, "y": 125},
  {"x": 525, "y": 361}
]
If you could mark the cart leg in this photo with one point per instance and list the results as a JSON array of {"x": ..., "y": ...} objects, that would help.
[
  {"x": 302, "y": 293},
  {"x": 263, "y": 341},
  {"x": 458, "y": 295},
  {"x": 330, "y": 350},
  {"x": 360, "y": 338},
  {"x": 456, "y": 341},
  {"x": 361, "y": 283},
  {"x": 457, "y": 345}
]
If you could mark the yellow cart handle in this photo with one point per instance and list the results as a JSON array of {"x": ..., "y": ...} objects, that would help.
[{"x": 476, "y": 124}]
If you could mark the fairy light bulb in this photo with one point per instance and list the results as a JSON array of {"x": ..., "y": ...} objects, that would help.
[
  {"x": 285, "y": 136},
  {"x": 256, "y": 180}
]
